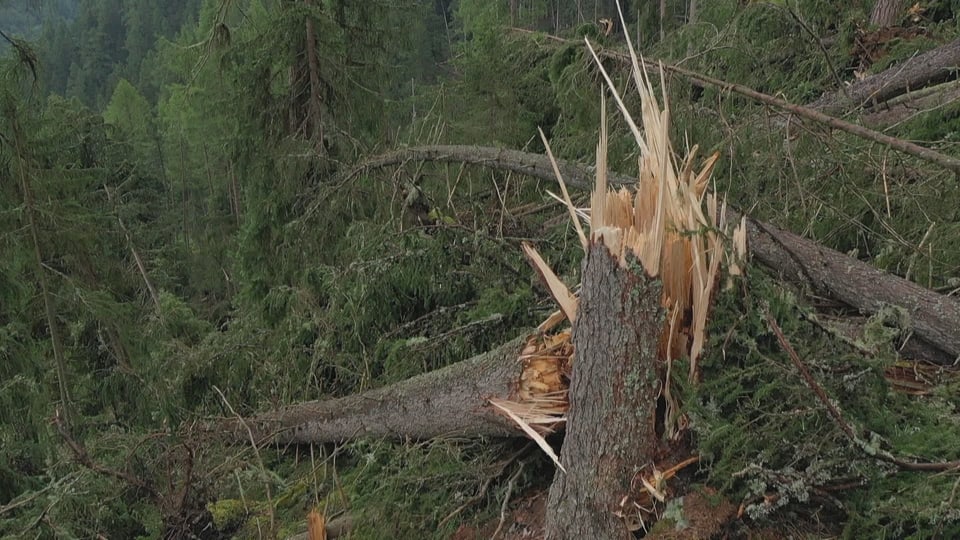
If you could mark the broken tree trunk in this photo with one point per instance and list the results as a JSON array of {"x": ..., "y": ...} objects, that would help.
[
  {"x": 447, "y": 402},
  {"x": 611, "y": 426},
  {"x": 935, "y": 317},
  {"x": 453, "y": 400}
]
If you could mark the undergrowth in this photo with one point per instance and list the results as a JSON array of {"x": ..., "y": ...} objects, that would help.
[{"x": 766, "y": 440}]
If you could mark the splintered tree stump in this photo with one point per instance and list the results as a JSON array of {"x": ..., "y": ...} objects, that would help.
[{"x": 611, "y": 426}]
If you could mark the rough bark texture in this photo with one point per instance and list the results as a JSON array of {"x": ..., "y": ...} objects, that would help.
[
  {"x": 611, "y": 426},
  {"x": 887, "y": 12},
  {"x": 931, "y": 67},
  {"x": 535, "y": 165},
  {"x": 906, "y": 106},
  {"x": 936, "y": 317},
  {"x": 447, "y": 402},
  {"x": 453, "y": 400},
  {"x": 816, "y": 115}
]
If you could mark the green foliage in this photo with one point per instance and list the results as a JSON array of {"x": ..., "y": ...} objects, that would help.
[
  {"x": 761, "y": 430},
  {"x": 278, "y": 278},
  {"x": 129, "y": 111},
  {"x": 93, "y": 44},
  {"x": 489, "y": 55},
  {"x": 408, "y": 491}
]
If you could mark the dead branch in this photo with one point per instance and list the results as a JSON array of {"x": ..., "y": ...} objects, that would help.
[
  {"x": 905, "y": 106},
  {"x": 815, "y": 115},
  {"x": 136, "y": 254},
  {"x": 82, "y": 457},
  {"x": 838, "y": 418},
  {"x": 942, "y": 63}
]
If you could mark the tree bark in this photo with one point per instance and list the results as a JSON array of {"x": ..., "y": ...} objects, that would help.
[
  {"x": 452, "y": 401},
  {"x": 815, "y": 112},
  {"x": 935, "y": 317},
  {"x": 811, "y": 113},
  {"x": 906, "y": 106},
  {"x": 887, "y": 12},
  {"x": 503, "y": 159},
  {"x": 929, "y": 68},
  {"x": 611, "y": 425}
]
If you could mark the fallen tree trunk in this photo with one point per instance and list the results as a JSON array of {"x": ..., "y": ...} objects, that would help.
[
  {"x": 451, "y": 401},
  {"x": 935, "y": 317},
  {"x": 931, "y": 67},
  {"x": 928, "y": 69},
  {"x": 905, "y": 106}
]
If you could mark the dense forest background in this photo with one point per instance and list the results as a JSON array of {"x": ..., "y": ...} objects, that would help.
[{"x": 182, "y": 239}]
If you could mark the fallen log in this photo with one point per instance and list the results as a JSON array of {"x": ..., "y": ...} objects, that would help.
[
  {"x": 929, "y": 68},
  {"x": 452, "y": 401},
  {"x": 935, "y": 317},
  {"x": 905, "y": 106}
]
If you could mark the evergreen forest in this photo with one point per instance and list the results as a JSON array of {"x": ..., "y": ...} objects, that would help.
[{"x": 214, "y": 210}]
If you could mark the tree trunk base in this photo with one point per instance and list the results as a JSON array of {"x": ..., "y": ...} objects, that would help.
[{"x": 611, "y": 426}]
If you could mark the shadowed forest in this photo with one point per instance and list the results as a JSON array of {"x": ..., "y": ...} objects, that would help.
[{"x": 265, "y": 266}]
